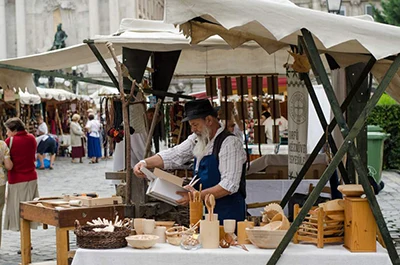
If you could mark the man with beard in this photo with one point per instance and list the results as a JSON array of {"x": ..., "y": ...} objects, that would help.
[{"x": 219, "y": 160}]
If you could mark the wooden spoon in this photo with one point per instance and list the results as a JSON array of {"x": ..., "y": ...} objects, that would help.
[
  {"x": 211, "y": 198},
  {"x": 207, "y": 202}
]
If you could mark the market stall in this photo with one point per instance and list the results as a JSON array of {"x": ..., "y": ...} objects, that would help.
[
  {"x": 158, "y": 39},
  {"x": 19, "y": 103},
  {"x": 209, "y": 56},
  {"x": 261, "y": 21},
  {"x": 58, "y": 107}
]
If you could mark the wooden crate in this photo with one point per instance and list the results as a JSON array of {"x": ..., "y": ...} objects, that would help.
[
  {"x": 360, "y": 229},
  {"x": 318, "y": 228}
]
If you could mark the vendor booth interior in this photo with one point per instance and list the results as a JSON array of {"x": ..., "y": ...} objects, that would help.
[{"x": 284, "y": 157}]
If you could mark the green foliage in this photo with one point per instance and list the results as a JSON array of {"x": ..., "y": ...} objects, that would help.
[
  {"x": 388, "y": 118},
  {"x": 390, "y": 13},
  {"x": 386, "y": 100}
]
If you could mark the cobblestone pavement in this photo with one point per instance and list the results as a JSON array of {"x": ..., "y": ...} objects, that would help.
[
  {"x": 66, "y": 178},
  {"x": 69, "y": 178},
  {"x": 389, "y": 201}
]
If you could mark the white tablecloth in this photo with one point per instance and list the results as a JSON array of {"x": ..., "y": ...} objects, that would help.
[
  {"x": 165, "y": 254},
  {"x": 272, "y": 190},
  {"x": 266, "y": 160}
]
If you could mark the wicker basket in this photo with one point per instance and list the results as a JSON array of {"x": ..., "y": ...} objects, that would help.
[{"x": 87, "y": 238}]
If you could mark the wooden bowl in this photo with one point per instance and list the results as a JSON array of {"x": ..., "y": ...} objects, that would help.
[
  {"x": 167, "y": 224},
  {"x": 263, "y": 238},
  {"x": 174, "y": 235},
  {"x": 142, "y": 241},
  {"x": 334, "y": 209},
  {"x": 351, "y": 190},
  {"x": 174, "y": 240}
]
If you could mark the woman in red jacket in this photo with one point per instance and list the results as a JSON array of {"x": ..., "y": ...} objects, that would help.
[{"x": 22, "y": 178}]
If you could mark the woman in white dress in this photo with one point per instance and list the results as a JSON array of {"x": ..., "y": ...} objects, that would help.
[{"x": 93, "y": 135}]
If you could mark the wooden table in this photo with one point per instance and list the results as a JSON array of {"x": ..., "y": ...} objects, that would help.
[{"x": 63, "y": 220}]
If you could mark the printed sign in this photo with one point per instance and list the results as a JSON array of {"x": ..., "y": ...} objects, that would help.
[{"x": 298, "y": 123}]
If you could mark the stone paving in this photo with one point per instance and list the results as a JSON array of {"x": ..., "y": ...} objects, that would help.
[
  {"x": 66, "y": 178},
  {"x": 70, "y": 178},
  {"x": 389, "y": 201}
]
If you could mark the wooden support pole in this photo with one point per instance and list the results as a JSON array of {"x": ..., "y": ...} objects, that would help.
[
  {"x": 244, "y": 120},
  {"x": 59, "y": 121},
  {"x": 152, "y": 127},
  {"x": 125, "y": 118},
  {"x": 18, "y": 107}
]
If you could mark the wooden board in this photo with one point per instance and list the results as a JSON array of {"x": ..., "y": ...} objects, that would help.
[
  {"x": 121, "y": 175},
  {"x": 53, "y": 203},
  {"x": 90, "y": 202}
]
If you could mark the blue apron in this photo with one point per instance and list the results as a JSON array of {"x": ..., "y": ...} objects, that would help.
[{"x": 228, "y": 207}]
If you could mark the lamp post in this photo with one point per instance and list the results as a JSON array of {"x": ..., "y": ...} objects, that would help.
[{"x": 334, "y": 6}]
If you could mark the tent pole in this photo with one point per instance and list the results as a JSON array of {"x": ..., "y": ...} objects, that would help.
[
  {"x": 103, "y": 63},
  {"x": 125, "y": 117},
  {"x": 56, "y": 74},
  {"x": 358, "y": 125},
  {"x": 331, "y": 126}
]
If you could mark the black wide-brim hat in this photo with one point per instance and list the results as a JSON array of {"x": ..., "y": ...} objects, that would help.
[{"x": 197, "y": 109}]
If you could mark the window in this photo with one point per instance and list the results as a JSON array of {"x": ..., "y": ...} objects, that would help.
[
  {"x": 368, "y": 9},
  {"x": 342, "y": 11}
]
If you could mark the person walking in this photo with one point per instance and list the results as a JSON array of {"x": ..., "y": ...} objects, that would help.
[
  {"x": 77, "y": 135},
  {"x": 93, "y": 144},
  {"x": 22, "y": 178},
  {"x": 5, "y": 164}
]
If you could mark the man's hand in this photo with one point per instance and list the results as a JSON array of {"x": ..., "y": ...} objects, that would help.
[
  {"x": 137, "y": 170},
  {"x": 190, "y": 188},
  {"x": 185, "y": 198}
]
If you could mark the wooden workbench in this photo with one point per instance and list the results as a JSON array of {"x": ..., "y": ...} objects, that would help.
[{"x": 63, "y": 220}]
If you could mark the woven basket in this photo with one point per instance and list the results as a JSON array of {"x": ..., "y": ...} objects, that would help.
[{"x": 87, "y": 238}]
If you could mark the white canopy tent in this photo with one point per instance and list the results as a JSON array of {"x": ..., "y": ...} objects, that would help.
[
  {"x": 149, "y": 35},
  {"x": 59, "y": 94},
  {"x": 274, "y": 24},
  {"x": 103, "y": 91},
  {"x": 27, "y": 98}
]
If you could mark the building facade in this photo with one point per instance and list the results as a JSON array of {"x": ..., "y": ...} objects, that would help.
[{"x": 28, "y": 26}]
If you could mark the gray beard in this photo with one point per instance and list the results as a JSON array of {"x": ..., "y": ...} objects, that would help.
[{"x": 199, "y": 150}]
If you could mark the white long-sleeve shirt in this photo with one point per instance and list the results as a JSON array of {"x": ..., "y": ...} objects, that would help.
[{"x": 231, "y": 158}]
